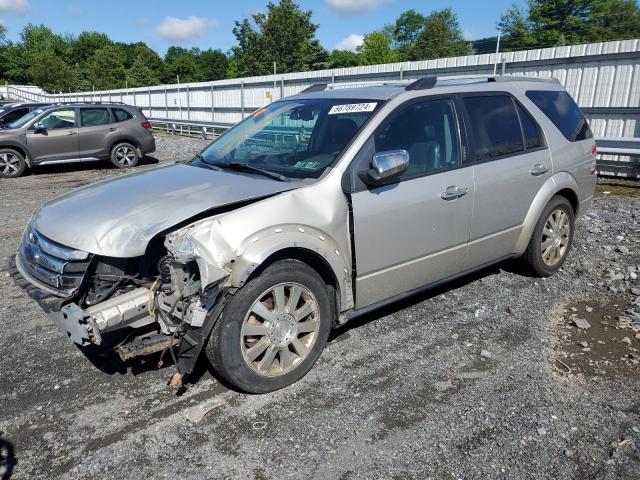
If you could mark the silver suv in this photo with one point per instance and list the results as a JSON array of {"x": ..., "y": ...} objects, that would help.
[
  {"x": 316, "y": 209},
  {"x": 75, "y": 133}
]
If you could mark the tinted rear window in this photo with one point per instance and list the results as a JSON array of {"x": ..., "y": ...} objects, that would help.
[
  {"x": 563, "y": 112},
  {"x": 494, "y": 125},
  {"x": 94, "y": 116},
  {"x": 121, "y": 115}
]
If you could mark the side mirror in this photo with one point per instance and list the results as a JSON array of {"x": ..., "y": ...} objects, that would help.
[
  {"x": 39, "y": 128},
  {"x": 385, "y": 166}
]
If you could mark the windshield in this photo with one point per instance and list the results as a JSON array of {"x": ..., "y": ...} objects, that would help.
[
  {"x": 26, "y": 119},
  {"x": 293, "y": 138}
]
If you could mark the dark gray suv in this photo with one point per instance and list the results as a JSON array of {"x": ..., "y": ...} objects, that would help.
[{"x": 75, "y": 133}]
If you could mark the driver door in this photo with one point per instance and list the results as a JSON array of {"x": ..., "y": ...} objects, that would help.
[
  {"x": 58, "y": 141},
  {"x": 414, "y": 231}
]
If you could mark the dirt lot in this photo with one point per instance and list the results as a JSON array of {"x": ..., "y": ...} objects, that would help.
[{"x": 495, "y": 376}]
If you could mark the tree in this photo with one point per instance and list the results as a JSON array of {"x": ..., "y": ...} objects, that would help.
[
  {"x": 106, "y": 68},
  {"x": 549, "y": 23},
  {"x": 441, "y": 36},
  {"x": 343, "y": 59},
  {"x": 86, "y": 45},
  {"x": 49, "y": 71},
  {"x": 376, "y": 49},
  {"x": 182, "y": 62},
  {"x": 285, "y": 35},
  {"x": 405, "y": 32},
  {"x": 212, "y": 65}
]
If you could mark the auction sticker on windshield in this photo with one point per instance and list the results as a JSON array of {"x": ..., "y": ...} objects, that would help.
[{"x": 353, "y": 107}]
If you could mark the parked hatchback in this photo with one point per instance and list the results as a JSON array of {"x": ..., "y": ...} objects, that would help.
[
  {"x": 317, "y": 209},
  {"x": 75, "y": 133}
]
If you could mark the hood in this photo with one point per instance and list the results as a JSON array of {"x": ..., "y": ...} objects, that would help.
[{"x": 118, "y": 217}]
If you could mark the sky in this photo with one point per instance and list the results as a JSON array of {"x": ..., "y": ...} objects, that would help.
[{"x": 209, "y": 24}]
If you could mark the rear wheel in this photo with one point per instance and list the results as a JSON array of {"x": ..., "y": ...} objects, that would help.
[
  {"x": 12, "y": 163},
  {"x": 273, "y": 329},
  {"x": 552, "y": 238},
  {"x": 124, "y": 155}
]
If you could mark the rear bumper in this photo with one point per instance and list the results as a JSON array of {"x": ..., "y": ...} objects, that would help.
[{"x": 148, "y": 144}]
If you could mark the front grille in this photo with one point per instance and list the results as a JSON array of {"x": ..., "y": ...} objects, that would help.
[{"x": 51, "y": 266}]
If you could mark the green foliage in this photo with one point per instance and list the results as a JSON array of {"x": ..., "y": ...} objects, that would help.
[
  {"x": 285, "y": 35},
  {"x": 441, "y": 37},
  {"x": 106, "y": 69},
  {"x": 343, "y": 59},
  {"x": 549, "y": 23},
  {"x": 376, "y": 48}
]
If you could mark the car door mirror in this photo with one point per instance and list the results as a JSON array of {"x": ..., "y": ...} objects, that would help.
[
  {"x": 39, "y": 128},
  {"x": 386, "y": 166}
]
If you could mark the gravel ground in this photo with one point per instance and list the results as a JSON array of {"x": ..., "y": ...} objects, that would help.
[{"x": 487, "y": 377}]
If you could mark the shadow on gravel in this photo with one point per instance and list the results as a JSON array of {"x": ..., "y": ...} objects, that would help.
[
  {"x": 7, "y": 459},
  {"x": 416, "y": 299},
  {"x": 85, "y": 166}
]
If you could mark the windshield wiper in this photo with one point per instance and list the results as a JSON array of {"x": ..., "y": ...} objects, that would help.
[{"x": 248, "y": 168}]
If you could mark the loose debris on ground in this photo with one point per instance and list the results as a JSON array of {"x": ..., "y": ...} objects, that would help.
[{"x": 488, "y": 377}]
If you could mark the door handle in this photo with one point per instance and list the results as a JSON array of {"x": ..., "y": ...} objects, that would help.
[
  {"x": 71, "y": 133},
  {"x": 539, "y": 169},
  {"x": 452, "y": 192},
  {"x": 112, "y": 129}
]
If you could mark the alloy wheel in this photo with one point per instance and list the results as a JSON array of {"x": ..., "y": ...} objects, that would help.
[
  {"x": 280, "y": 329},
  {"x": 555, "y": 237},
  {"x": 9, "y": 164},
  {"x": 125, "y": 156}
]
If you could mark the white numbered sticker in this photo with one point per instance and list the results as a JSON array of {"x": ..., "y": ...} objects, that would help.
[{"x": 352, "y": 107}]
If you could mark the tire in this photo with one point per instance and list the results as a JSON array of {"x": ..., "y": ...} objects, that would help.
[
  {"x": 12, "y": 163},
  {"x": 544, "y": 262},
  {"x": 124, "y": 155},
  {"x": 267, "y": 367}
]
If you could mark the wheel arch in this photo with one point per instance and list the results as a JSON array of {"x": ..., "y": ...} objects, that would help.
[
  {"x": 21, "y": 150},
  {"x": 562, "y": 183},
  {"x": 130, "y": 140}
]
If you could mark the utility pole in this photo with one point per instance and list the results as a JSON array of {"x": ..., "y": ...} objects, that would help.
[{"x": 495, "y": 63}]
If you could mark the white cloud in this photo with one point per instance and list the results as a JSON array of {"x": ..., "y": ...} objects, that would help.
[
  {"x": 181, "y": 29},
  {"x": 14, "y": 6},
  {"x": 352, "y": 42},
  {"x": 353, "y": 6},
  {"x": 74, "y": 10}
]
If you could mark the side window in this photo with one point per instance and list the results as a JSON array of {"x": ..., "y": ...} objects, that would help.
[
  {"x": 560, "y": 108},
  {"x": 121, "y": 115},
  {"x": 530, "y": 129},
  {"x": 91, "y": 117},
  {"x": 428, "y": 131},
  {"x": 59, "y": 119},
  {"x": 15, "y": 115},
  {"x": 494, "y": 126}
]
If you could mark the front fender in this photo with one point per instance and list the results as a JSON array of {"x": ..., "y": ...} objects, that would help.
[
  {"x": 262, "y": 245},
  {"x": 555, "y": 183}
]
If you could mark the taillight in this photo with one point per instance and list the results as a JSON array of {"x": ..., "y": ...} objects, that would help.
[
  {"x": 594, "y": 150},
  {"x": 146, "y": 125}
]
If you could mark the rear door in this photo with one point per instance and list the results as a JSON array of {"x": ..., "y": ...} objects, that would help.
[
  {"x": 510, "y": 164},
  {"x": 415, "y": 231},
  {"x": 59, "y": 141},
  {"x": 96, "y": 124}
]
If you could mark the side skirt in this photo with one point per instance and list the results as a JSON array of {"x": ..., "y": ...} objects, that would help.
[{"x": 358, "y": 312}]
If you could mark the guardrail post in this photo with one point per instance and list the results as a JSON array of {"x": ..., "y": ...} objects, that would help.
[
  {"x": 213, "y": 113},
  {"x": 188, "y": 106},
  {"x": 242, "y": 98},
  {"x": 166, "y": 103}
]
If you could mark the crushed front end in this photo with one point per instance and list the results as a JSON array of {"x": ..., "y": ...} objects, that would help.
[{"x": 152, "y": 303}]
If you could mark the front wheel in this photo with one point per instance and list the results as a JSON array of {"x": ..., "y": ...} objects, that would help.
[
  {"x": 273, "y": 329},
  {"x": 124, "y": 155},
  {"x": 552, "y": 238}
]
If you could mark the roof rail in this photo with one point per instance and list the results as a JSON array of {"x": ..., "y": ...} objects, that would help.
[
  {"x": 425, "y": 83},
  {"x": 316, "y": 87}
]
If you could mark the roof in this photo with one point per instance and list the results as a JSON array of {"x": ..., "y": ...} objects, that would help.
[{"x": 386, "y": 90}]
